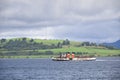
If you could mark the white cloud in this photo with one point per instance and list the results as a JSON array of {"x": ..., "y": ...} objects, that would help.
[{"x": 44, "y": 33}]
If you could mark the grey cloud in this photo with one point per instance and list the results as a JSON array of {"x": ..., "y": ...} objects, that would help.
[
  {"x": 84, "y": 19},
  {"x": 52, "y": 10}
]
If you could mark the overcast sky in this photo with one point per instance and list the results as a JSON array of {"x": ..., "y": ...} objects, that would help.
[{"x": 80, "y": 20}]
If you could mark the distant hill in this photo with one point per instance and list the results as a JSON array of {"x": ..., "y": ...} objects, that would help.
[{"x": 114, "y": 44}]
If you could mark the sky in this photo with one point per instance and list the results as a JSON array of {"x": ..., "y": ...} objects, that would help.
[{"x": 79, "y": 20}]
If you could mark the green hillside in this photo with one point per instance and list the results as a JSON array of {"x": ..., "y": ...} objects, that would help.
[
  {"x": 89, "y": 51},
  {"x": 43, "y": 48}
]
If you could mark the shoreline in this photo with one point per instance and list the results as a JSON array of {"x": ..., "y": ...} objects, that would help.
[{"x": 39, "y": 57}]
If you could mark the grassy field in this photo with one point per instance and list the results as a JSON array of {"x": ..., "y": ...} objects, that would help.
[
  {"x": 87, "y": 51},
  {"x": 84, "y": 50}
]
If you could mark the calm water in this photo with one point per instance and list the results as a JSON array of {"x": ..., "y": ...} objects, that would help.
[{"x": 46, "y": 69}]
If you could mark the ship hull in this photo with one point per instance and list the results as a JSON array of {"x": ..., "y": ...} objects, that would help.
[
  {"x": 74, "y": 59},
  {"x": 60, "y": 59},
  {"x": 84, "y": 59}
]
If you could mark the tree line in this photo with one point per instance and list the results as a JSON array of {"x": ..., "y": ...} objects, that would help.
[
  {"x": 31, "y": 44},
  {"x": 24, "y": 44},
  {"x": 95, "y": 44}
]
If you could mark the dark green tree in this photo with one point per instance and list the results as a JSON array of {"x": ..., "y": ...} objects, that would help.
[
  {"x": 24, "y": 39},
  {"x": 3, "y": 40},
  {"x": 31, "y": 40},
  {"x": 66, "y": 42},
  {"x": 59, "y": 45}
]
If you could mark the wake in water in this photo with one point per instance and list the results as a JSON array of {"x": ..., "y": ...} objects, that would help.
[{"x": 107, "y": 60}]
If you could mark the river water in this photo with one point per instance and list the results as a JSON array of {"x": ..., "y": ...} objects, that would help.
[{"x": 105, "y": 68}]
